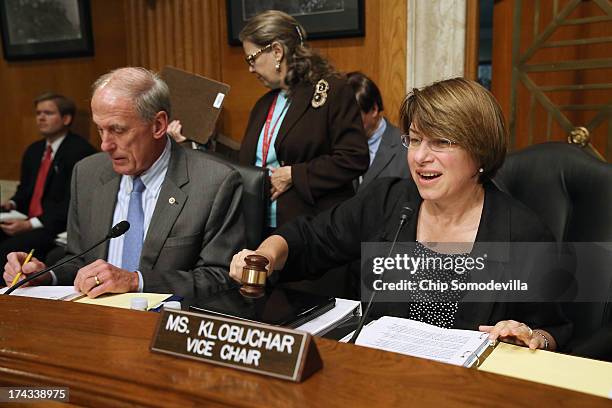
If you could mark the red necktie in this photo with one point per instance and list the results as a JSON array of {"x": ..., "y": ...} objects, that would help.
[{"x": 35, "y": 203}]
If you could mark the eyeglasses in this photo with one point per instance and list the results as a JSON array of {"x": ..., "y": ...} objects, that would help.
[
  {"x": 436, "y": 144},
  {"x": 250, "y": 59}
]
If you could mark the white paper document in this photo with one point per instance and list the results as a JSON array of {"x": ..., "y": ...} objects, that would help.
[
  {"x": 342, "y": 311},
  {"x": 46, "y": 292},
  {"x": 62, "y": 239},
  {"x": 405, "y": 336},
  {"x": 12, "y": 216}
]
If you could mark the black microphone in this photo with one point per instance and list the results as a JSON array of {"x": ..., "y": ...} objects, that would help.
[
  {"x": 116, "y": 231},
  {"x": 405, "y": 213}
]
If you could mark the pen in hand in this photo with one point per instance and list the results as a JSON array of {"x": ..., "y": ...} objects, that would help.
[{"x": 16, "y": 279}]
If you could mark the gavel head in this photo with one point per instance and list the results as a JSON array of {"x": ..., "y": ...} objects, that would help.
[{"x": 254, "y": 276}]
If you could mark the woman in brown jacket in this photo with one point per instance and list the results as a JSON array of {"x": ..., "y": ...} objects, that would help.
[{"x": 307, "y": 129}]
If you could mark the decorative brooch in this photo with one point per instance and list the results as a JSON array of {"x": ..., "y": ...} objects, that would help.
[{"x": 320, "y": 95}]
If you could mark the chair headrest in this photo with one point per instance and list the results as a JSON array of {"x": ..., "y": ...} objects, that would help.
[
  {"x": 569, "y": 189},
  {"x": 255, "y": 198}
]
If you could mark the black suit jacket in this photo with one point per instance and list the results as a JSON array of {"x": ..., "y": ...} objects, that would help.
[
  {"x": 325, "y": 147},
  {"x": 334, "y": 238},
  {"x": 56, "y": 197},
  {"x": 390, "y": 159}
]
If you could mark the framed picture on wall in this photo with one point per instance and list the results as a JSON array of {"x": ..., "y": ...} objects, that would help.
[
  {"x": 44, "y": 29},
  {"x": 320, "y": 18}
]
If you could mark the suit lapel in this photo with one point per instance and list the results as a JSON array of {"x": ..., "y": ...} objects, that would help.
[
  {"x": 166, "y": 210},
  {"x": 57, "y": 161},
  {"x": 103, "y": 208},
  {"x": 248, "y": 149},
  {"x": 410, "y": 198},
  {"x": 35, "y": 165},
  {"x": 495, "y": 220},
  {"x": 494, "y": 228},
  {"x": 384, "y": 155},
  {"x": 300, "y": 100}
]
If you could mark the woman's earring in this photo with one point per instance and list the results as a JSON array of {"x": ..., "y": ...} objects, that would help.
[
  {"x": 277, "y": 66},
  {"x": 481, "y": 170}
]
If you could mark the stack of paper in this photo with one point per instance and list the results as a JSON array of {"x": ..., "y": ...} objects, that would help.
[
  {"x": 12, "y": 216},
  {"x": 341, "y": 312},
  {"x": 417, "y": 339},
  {"x": 62, "y": 239},
  {"x": 68, "y": 293},
  {"x": 46, "y": 292}
]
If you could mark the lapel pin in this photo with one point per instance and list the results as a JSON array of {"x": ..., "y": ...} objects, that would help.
[{"x": 172, "y": 200}]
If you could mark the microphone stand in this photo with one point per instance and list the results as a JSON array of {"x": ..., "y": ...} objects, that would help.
[{"x": 406, "y": 211}]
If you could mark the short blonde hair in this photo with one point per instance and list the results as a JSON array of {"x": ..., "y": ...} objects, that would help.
[{"x": 464, "y": 112}]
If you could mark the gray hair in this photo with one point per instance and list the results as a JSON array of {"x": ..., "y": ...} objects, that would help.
[{"x": 148, "y": 91}]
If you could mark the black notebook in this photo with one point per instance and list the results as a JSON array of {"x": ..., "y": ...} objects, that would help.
[{"x": 280, "y": 307}]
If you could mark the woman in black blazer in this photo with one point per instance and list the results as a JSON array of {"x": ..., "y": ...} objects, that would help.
[
  {"x": 307, "y": 130},
  {"x": 456, "y": 140}
]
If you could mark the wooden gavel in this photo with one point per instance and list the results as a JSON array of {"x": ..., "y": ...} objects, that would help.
[{"x": 254, "y": 276}]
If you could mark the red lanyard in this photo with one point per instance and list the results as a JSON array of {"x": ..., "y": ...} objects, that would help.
[{"x": 268, "y": 133}]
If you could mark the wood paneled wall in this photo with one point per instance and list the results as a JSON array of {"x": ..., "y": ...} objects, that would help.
[
  {"x": 192, "y": 35},
  {"x": 552, "y": 73},
  {"x": 21, "y": 82},
  {"x": 181, "y": 33}
]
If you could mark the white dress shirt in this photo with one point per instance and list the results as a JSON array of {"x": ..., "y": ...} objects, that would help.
[{"x": 152, "y": 179}]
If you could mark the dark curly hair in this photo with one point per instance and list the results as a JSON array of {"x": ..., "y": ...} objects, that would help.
[{"x": 303, "y": 63}]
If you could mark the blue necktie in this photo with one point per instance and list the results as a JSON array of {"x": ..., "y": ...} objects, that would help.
[{"x": 132, "y": 243}]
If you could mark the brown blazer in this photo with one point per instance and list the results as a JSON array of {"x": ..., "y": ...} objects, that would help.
[{"x": 325, "y": 147}]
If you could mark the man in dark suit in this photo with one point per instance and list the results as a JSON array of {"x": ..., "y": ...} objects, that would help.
[
  {"x": 387, "y": 155},
  {"x": 183, "y": 207},
  {"x": 43, "y": 193}
]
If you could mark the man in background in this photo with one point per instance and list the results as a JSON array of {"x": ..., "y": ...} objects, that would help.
[
  {"x": 387, "y": 155},
  {"x": 43, "y": 193},
  {"x": 184, "y": 208}
]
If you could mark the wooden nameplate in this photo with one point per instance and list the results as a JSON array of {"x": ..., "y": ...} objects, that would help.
[{"x": 249, "y": 346}]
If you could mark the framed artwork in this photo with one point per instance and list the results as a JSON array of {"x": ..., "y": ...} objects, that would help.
[
  {"x": 44, "y": 29},
  {"x": 320, "y": 18}
]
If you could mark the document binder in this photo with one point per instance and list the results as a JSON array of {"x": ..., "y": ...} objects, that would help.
[
  {"x": 453, "y": 346},
  {"x": 196, "y": 102}
]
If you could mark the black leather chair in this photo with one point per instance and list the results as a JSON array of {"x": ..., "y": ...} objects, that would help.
[
  {"x": 571, "y": 191},
  {"x": 255, "y": 198}
]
